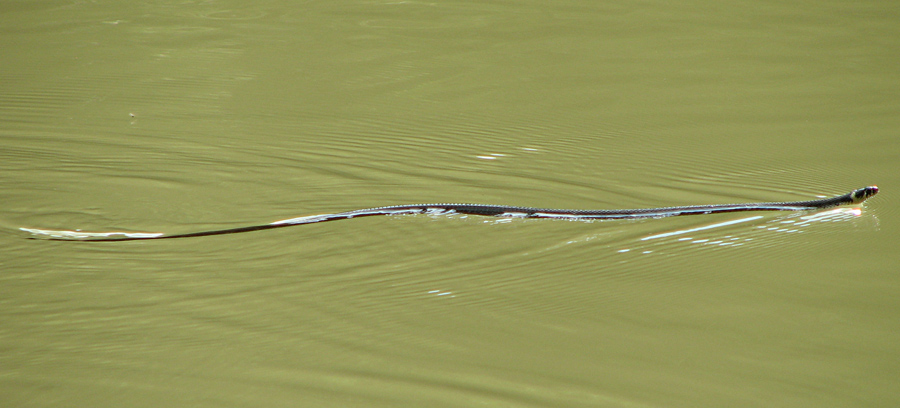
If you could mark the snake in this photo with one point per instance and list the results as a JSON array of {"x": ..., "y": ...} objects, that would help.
[{"x": 854, "y": 197}]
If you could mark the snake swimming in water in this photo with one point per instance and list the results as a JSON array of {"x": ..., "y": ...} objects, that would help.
[{"x": 853, "y": 197}]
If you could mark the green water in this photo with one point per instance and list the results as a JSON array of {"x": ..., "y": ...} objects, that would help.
[{"x": 185, "y": 116}]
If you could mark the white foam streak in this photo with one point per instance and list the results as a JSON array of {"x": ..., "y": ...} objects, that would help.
[
  {"x": 88, "y": 235},
  {"x": 705, "y": 227},
  {"x": 302, "y": 220}
]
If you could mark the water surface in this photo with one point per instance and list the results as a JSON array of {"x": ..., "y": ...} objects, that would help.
[{"x": 184, "y": 116}]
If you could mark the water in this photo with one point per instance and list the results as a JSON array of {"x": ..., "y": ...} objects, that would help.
[{"x": 185, "y": 116}]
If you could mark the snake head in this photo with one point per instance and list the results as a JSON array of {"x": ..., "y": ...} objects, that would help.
[{"x": 862, "y": 194}]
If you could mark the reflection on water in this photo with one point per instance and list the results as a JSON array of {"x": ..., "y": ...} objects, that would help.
[{"x": 188, "y": 116}]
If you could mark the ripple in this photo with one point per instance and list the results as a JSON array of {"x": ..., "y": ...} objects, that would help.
[{"x": 233, "y": 15}]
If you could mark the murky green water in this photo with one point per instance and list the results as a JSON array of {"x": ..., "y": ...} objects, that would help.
[{"x": 185, "y": 116}]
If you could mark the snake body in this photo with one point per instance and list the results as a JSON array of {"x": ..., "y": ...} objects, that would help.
[{"x": 853, "y": 197}]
